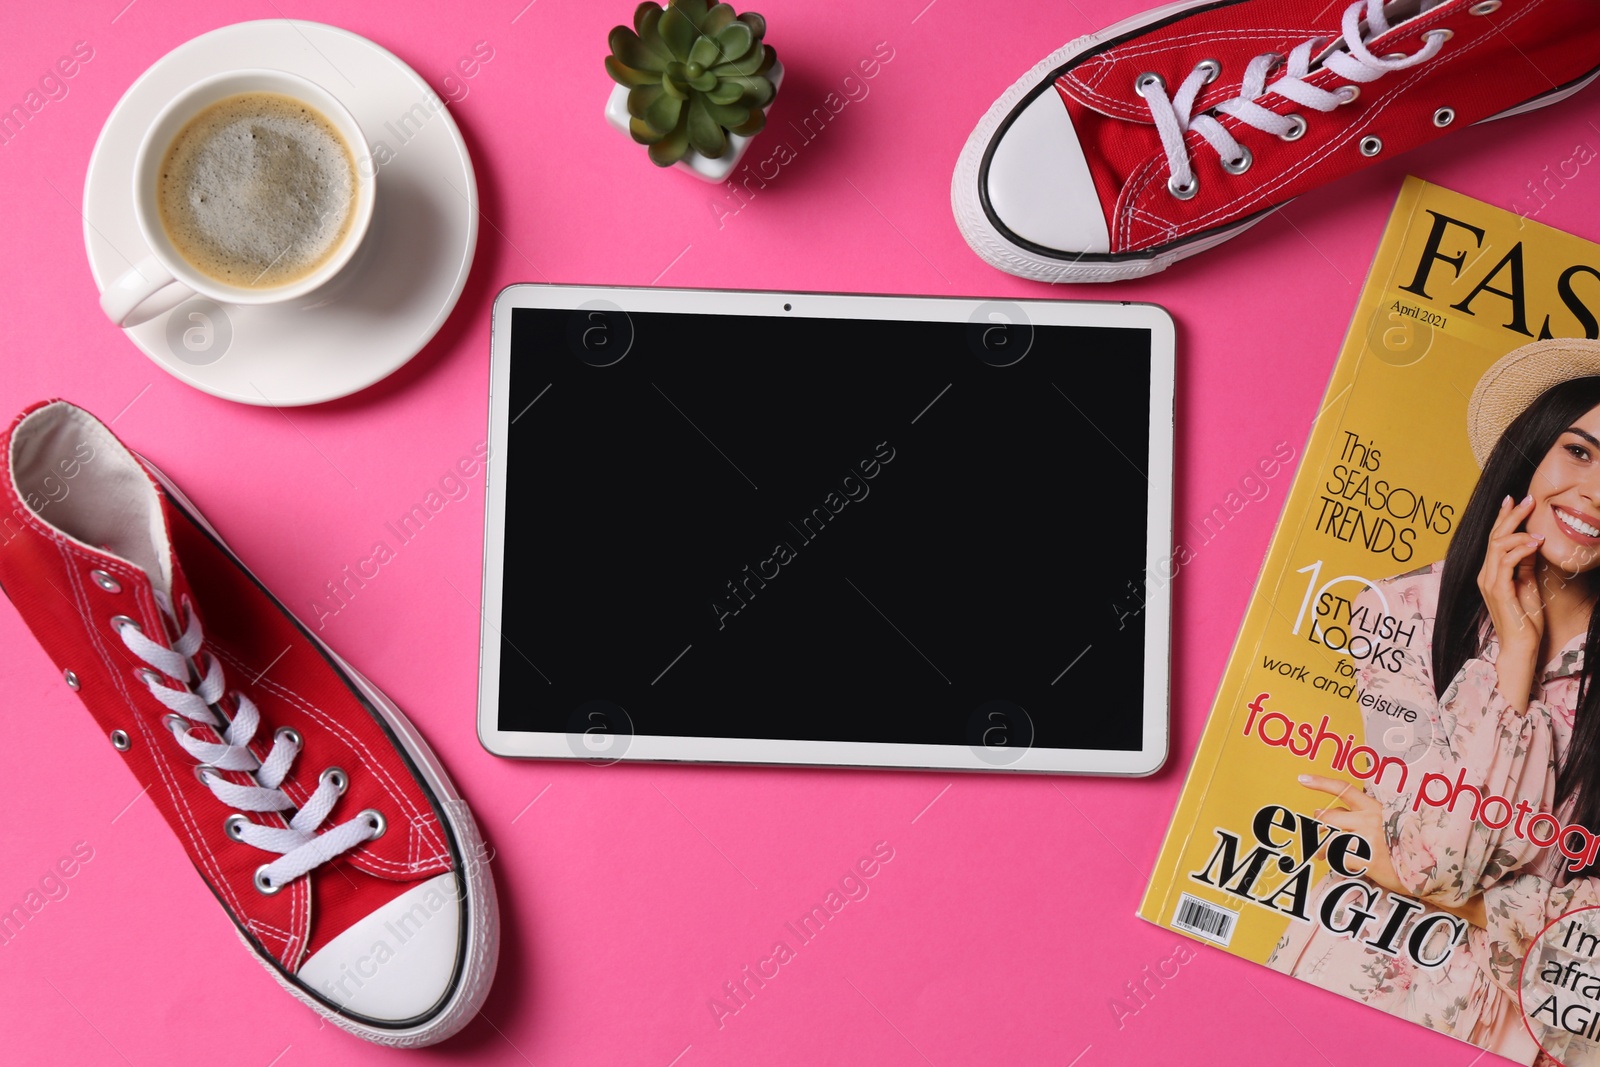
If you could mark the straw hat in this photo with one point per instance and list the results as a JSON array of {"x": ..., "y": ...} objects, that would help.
[{"x": 1516, "y": 380}]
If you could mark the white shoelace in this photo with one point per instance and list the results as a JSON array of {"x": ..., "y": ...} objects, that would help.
[
  {"x": 1353, "y": 61},
  {"x": 299, "y": 846}
]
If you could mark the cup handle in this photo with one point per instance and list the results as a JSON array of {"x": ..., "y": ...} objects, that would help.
[{"x": 144, "y": 292}]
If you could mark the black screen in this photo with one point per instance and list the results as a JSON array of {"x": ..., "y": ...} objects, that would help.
[{"x": 845, "y": 530}]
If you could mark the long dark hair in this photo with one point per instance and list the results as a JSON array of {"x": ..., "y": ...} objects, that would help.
[{"x": 1461, "y": 625}]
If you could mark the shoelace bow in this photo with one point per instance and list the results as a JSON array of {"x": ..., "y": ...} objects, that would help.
[
  {"x": 1354, "y": 62},
  {"x": 300, "y": 847}
]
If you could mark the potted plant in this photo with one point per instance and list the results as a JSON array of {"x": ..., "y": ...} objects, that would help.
[{"x": 694, "y": 82}]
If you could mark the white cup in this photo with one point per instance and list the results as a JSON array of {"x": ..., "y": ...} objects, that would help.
[{"x": 164, "y": 279}]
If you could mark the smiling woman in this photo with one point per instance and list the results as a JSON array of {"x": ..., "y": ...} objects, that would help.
[{"x": 1512, "y": 711}]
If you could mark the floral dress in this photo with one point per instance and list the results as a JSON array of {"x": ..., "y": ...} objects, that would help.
[{"x": 1447, "y": 857}]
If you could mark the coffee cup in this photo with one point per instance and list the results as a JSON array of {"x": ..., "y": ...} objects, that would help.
[{"x": 250, "y": 187}]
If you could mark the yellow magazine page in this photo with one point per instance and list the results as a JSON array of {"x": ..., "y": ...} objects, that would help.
[{"x": 1347, "y": 818}]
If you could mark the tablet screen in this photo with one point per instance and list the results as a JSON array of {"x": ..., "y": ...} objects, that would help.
[{"x": 825, "y": 529}]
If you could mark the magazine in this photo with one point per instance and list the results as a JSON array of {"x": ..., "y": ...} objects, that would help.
[{"x": 1390, "y": 798}]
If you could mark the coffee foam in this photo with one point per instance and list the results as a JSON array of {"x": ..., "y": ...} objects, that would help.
[{"x": 258, "y": 190}]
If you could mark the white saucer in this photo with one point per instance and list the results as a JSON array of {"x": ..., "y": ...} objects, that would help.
[{"x": 387, "y": 302}]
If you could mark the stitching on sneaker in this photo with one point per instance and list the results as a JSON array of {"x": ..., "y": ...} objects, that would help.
[
  {"x": 1386, "y": 100},
  {"x": 268, "y": 933},
  {"x": 282, "y": 935},
  {"x": 180, "y": 805},
  {"x": 428, "y": 826},
  {"x": 1262, "y": 195},
  {"x": 355, "y": 744},
  {"x": 1132, "y": 189},
  {"x": 213, "y": 870},
  {"x": 300, "y": 919},
  {"x": 1107, "y": 62}
]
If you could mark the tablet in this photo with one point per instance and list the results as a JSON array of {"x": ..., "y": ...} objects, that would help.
[{"x": 798, "y": 528}]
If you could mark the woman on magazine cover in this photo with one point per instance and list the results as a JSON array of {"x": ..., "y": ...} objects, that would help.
[{"x": 1500, "y": 676}]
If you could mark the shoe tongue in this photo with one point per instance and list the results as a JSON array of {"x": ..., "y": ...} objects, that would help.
[
  {"x": 174, "y": 584},
  {"x": 169, "y": 585}
]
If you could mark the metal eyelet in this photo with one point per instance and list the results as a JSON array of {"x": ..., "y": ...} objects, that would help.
[
  {"x": 119, "y": 621},
  {"x": 337, "y": 776},
  {"x": 1444, "y": 116},
  {"x": 71, "y": 678},
  {"x": 1297, "y": 131},
  {"x": 1442, "y": 33},
  {"x": 1240, "y": 165},
  {"x": 146, "y": 675},
  {"x": 1148, "y": 78},
  {"x": 1212, "y": 68},
  {"x": 175, "y": 723},
  {"x": 1348, "y": 94},
  {"x": 1184, "y": 192},
  {"x": 264, "y": 887},
  {"x": 234, "y": 826},
  {"x": 375, "y": 819},
  {"x": 288, "y": 733},
  {"x": 120, "y": 740},
  {"x": 1370, "y": 145},
  {"x": 1488, "y": 7},
  {"x": 200, "y": 770},
  {"x": 105, "y": 581}
]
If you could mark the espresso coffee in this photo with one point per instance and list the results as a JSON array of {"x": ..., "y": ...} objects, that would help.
[{"x": 258, "y": 190}]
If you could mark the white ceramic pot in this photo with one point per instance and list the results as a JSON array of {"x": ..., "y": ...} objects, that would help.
[{"x": 711, "y": 170}]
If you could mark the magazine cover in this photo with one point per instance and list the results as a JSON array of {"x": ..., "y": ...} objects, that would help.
[{"x": 1397, "y": 795}]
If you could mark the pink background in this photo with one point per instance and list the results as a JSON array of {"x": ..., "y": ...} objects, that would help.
[{"x": 1004, "y": 925}]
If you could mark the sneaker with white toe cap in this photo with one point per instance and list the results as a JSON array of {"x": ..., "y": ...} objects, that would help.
[
  {"x": 316, "y": 814},
  {"x": 1177, "y": 129}
]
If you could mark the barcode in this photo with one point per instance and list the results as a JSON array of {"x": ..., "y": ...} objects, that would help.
[{"x": 1210, "y": 921}]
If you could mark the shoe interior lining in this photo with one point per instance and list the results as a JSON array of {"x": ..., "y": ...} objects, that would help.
[{"x": 72, "y": 473}]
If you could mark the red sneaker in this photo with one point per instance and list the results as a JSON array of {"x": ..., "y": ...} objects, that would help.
[
  {"x": 314, "y": 811},
  {"x": 1169, "y": 133}
]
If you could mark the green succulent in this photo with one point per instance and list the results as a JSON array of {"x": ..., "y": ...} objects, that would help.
[{"x": 695, "y": 73}]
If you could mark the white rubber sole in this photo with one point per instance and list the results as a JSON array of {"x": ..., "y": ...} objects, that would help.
[
  {"x": 998, "y": 251},
  {"x": 482, "y": 954}
]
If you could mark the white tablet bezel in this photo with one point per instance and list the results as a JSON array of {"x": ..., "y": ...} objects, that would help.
[{"x": 1156, "y": 607}]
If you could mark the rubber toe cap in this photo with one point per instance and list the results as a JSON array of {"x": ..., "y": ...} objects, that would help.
[
  {"x": 398, "y": 962},
  {"x": 1039, "y": 183}
]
